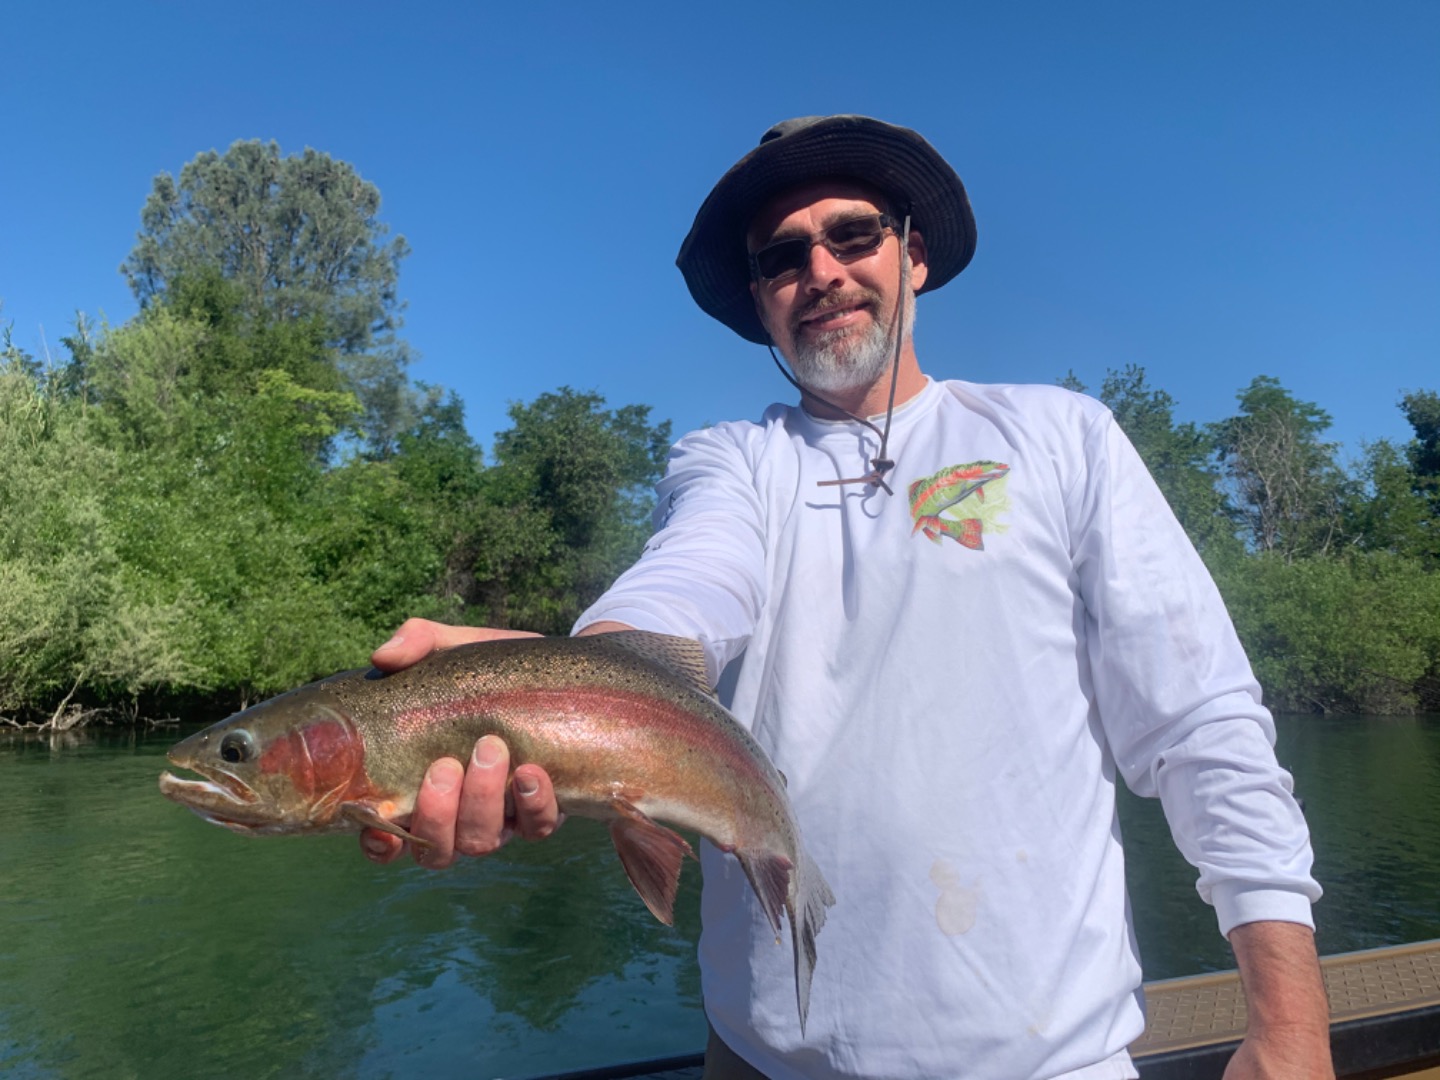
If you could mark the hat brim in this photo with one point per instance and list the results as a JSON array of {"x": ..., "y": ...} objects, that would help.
[{"x": 895, "y": 160}]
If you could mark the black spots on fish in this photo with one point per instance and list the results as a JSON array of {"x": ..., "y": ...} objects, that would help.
[
  {"x": 237, "y": 747},
  {"x": 682, "y": 658}
]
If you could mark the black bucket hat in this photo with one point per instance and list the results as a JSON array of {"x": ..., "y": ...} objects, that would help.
[{"x": 894, "y": 160}]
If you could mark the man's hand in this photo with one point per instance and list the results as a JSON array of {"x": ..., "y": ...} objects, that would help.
[
  {"x": 462, "y": 809},
  {"x": 1287, "y": 1013},
  {"x": 418, "y": 638}
]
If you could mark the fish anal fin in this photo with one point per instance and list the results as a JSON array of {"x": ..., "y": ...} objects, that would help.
[
  {"x": 651, "y": 855},
  {"x": 681, "y": 656},
  {"x": 770, "y": 878},
  {"x": 366, "y": 816}
]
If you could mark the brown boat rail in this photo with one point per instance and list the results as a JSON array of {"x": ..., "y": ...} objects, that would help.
[{"x": 1384, "y": 1022}]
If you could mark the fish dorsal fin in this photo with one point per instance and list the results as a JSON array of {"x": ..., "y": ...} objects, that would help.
[{"x": 682, "y": 657}]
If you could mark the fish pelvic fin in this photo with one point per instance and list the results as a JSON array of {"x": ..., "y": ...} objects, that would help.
[
  {"x": 651, "y": 855},
  {"x": 931, "y": 526}
]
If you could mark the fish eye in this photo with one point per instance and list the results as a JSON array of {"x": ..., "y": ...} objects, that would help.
[{"x": 237, "y": 747}]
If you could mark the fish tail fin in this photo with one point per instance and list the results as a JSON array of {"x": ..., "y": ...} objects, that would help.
[
  {"x": 804, "y": 895},
  {"x": 812, "y": 896},
  {"x": 651, "y": 855}
]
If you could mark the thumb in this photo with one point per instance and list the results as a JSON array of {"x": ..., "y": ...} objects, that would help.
[{"x": 414, "y": 641}]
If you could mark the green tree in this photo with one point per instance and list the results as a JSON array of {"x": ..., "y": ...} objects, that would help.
[
  {"x": 74, "y": 376},
  {"x": 14, "y": 358},
  {"x": 1422, "y": 409},
  {"x": 67, "y": 619},
  {"x": 569, "y": 502},
  {"x": 1286, "y": 489},
  {"x": 301, "y": 239},
  {"x": 1177, "y": 455},
  {"x": 299, "y": 234},
  {"x": 398, "y": 537},
  {"x": 1356, "y": 632},
  {"x": 1391, "y": 511}
]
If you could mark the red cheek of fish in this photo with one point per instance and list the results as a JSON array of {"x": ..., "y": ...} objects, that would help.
[
  {"x": 317, "y": 759},
  {"x": 336, "y": 756},
  {"x": 286, "y": 756}
]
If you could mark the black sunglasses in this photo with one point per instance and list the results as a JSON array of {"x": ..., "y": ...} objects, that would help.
[{"x": 845, "y": 240}]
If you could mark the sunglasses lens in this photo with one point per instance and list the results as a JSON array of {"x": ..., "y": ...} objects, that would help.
[
  {"x": 785, "y": 257},
  {"x": 854, "y": 237},
  {"x": 847, "y": 240}
]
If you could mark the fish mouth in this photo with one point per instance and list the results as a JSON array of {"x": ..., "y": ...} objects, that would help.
[{"x": 221, "y": 798}]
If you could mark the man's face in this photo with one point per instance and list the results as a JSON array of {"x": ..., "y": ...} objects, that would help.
[{"x": 835, "y": 320}]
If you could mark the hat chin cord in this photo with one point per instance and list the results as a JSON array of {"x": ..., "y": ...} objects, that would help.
[{"x": 879, "y": 464}]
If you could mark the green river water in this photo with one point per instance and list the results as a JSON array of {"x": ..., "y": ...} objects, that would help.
[{"x": 137, "y": 941}]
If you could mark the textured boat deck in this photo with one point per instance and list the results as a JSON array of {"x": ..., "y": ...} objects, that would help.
[
  {"x": 1202, "y": 1009},
  {"x": 1384, "y": 1022}
]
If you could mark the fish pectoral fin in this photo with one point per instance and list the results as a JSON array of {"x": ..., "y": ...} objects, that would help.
[
  {"x": 651, "y": 855},
  {"x": 368, "y": 817}
]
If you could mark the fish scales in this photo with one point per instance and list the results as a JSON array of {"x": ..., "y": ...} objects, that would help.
[{"x": 543, "y": 709}]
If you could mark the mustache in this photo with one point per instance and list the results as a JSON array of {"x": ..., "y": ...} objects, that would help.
[{"x": 832, "y": 301}]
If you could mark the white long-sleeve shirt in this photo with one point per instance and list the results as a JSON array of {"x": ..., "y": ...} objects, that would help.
[{"x": 949, "y": 678}]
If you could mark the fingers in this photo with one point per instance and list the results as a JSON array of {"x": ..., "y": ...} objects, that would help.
[
  {"x": 436, "y": 808},
  {"x": 418, "y": 638},
  {"x": 485, "y": 821},
  {"x": 465, "y": 812},
  {"x": 480, "y": 824},
  {"x": 536, "y": 813},
  {"x": 380, "y": 847}
]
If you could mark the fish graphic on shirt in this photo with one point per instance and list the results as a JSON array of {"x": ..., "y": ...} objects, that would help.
[{"x": 931, "y": 497}]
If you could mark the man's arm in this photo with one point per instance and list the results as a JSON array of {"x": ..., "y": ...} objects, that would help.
[{"x": 1287, "y": 1012}]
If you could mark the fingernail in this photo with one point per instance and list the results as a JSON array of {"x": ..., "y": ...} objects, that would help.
[
  {"x": 487, "y": 752},
  {"x": 375, "y": 845},
  {"x": 392, "y": 643},
  {"x": 526, "y": 785},
  {"x": 443, "y": 776}
]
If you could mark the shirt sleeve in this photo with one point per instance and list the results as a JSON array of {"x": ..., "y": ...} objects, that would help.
[
  {"x": 702, "y": 572},
  {"x": 1176, "y": 695}
]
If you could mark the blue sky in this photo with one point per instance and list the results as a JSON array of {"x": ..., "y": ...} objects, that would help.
[{"x": 1214, "y": 191}]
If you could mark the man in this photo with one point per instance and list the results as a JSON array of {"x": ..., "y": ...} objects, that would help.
[{"x": 953, "y": 619}]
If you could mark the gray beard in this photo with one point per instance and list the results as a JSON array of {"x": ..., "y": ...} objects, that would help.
[{"x": 838, "y": 361}]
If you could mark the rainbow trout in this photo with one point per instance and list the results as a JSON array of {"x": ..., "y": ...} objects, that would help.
[{"x": 625, "y": 725}]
